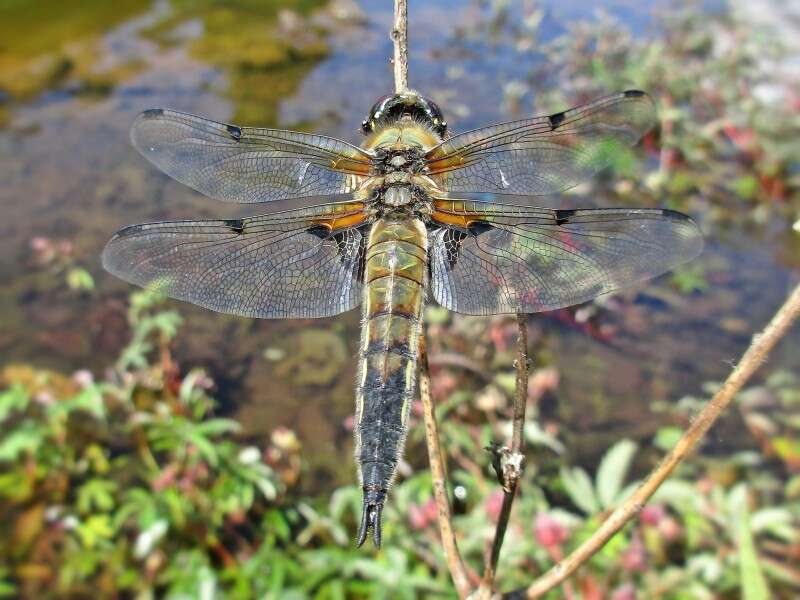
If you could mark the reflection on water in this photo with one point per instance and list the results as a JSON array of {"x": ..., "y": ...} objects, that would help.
[{"x": 70, "y": 178}]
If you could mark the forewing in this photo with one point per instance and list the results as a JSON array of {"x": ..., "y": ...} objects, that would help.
[
  {"x": 490, "y": 259},
  {"x": 297, "y": 263},
  {"x": 244, "y": 164},
  {"x": 543, "y": 155}
]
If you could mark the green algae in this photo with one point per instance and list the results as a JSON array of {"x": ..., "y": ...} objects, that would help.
[
  {"x": 265, "y": 50},
  {"x": 46, "y": 42}
]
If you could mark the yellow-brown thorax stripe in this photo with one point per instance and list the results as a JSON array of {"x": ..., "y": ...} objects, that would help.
[{"x": 396, "y": 263}]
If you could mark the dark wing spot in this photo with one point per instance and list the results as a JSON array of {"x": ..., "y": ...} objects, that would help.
[
  {"x": 478, "y": 227},
  {"x": 235, "y": 225},
  {"x": 676, "y": 216},
  {"x": 634, "y": 93},
  {"x": 152, "y": 113},
  {"x": 236, "y": 132},
  {"x": 556, "y": 120},
  {"x": 321, "y": 231},
  {"x": 563, "y": 215}
]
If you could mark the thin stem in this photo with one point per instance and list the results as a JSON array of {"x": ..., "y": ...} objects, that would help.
[
  {"x": 755, "y": 355},
  {"x": 513, "y": 459},
  {"x": 399, "y": 37},
  {"x": 458, "y": 571},
  {"x": 521, "y": 400}
]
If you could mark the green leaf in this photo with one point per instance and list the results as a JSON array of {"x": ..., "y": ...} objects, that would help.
[
  {"x": 96, "y": 494},
  {"x": 613, "y": 470},
  {"x": 206, "y": 448},
  {"x": 14, "y": 399},
  {"x": 745, "y": 186},
  {"x": 580, "y": 490},
  {"x": 666, "y": 438},
  {"x": 214, "y": 427},
  {"x": 276, "y": 523},
  {"x": 7, "y": 589},
  {"x": 534, "y": 434},
  {"x": 79, "y": 279},
  {"x": 752, "y": 580},
  {"x": 27, "y": 437},
  {"x": 778, "y": 521},
  {"x": 90, "y": 400},
  {"x": 95, "y": 529},
  {"x": 680, "y": 495}
]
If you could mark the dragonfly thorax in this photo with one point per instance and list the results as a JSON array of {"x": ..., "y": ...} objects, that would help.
[
  {"x": 398, "y": 195},
  {"x": 400, "y": 158}
]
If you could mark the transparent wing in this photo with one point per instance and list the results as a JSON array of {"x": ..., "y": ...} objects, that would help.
[
  {"x": 297, "y": 263},
  {"x": 243, "y": 164},
  {"x": 543, "y": 155},
  {"x": 490, "y": 258}
]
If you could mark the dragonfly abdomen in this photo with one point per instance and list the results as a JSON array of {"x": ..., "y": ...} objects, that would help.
[{"x": 394, "y": 278}]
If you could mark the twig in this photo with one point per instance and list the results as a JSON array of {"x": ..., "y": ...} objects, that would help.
[
  {"x": 458, "y": 571},
  {"x": 756, "y": 354},
  {"x": 399, "y": 37},
  {"x": 521, "y": 400},
  {"x": 512, "y": 461}
]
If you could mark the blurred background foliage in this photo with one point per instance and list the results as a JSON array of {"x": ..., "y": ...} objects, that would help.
[
  {"x": 150, "y": 450},
  {"x": 132, "y": 486}
]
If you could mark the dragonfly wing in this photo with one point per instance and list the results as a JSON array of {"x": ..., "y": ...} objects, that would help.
[
  {"x": 543, "y": 155},
  {"x": 290, "y": 264},
  {"x": 489, "y": 259},
  {"x": 245, "y": 164}
]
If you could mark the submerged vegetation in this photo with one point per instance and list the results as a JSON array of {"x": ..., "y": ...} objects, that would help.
[
  {"x": 264, "y": 47},
  {"x": 136, "y": 483}
]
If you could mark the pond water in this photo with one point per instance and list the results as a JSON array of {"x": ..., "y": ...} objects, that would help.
[{"x": 70, "y": 178}]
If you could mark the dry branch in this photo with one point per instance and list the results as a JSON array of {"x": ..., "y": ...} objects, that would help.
[
  {"x": 458, "y": 571},
  {"x": 512, "y": 460},
  {"x": 399, "y": 37}
]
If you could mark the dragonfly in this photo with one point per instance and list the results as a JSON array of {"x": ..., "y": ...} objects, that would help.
[{"x": 413, "y": 214}]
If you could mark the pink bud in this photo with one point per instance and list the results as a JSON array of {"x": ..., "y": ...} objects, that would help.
[
  {"x": 443, "y": 385},
  {"x": 65, "y": 247},
  {"x": 624, "y": 592},
  {"x": 541, "y": 381},
  {"x": 349, "y": 422},
  {"x": 431, "y": 510},
  {"x": 40, "y": 244},
  {"x": 422, "y": 515},
  {"x": 83, "y": 378},
  {"x": 548, "y": 531},
  {"x": 416, "y": 517},
  {"x": 670, "y": 529},
  {"x": 493, "y": 504},
  {"x": 634, "y": 558},
  {"x": 652, "y": 514}
]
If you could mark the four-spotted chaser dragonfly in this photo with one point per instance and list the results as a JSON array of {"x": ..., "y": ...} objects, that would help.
[{"x": 411, "y": 214}]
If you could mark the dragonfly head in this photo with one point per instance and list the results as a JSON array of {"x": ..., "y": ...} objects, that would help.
[
  {"x": 371, "y": 516},
  {"x": 390, "y": 109}
]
